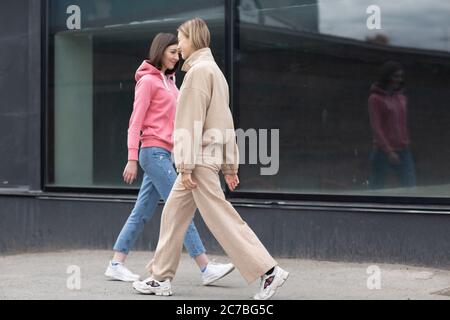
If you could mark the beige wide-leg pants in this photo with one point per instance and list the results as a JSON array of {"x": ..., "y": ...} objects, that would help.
[{"x": 240, "y": 243}]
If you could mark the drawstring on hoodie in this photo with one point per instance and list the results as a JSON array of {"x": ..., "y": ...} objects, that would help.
[
  {"x": 147, "y": 68},
  {"x": 165, "y": 82}
]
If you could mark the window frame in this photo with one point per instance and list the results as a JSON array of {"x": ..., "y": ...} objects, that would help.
[{"x": 230, "y": 24}]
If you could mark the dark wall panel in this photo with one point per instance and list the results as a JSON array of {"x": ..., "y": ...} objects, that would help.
[
  {"x": 32, "y": 224},
  {"x": 20, "y": 84}
]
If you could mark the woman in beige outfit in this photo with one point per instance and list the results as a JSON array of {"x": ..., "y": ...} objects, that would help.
[{"x": 205, "y": 143}]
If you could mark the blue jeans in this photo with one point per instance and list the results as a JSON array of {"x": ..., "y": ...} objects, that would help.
[
  {"x": 380, "y": 165},
  {"x": 159, "y": 177}
]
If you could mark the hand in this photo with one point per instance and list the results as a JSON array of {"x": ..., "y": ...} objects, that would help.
[
  {"x": 130, "y": 172},
  {"x": 232, "y": 181},
  {"x": 188, "y": 183},
  {"x": 394, "y": 158}
]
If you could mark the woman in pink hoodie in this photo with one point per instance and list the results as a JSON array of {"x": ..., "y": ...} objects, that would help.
[
  {"x": 151, "y": 125},
  {"x": 388, "y": 112}
]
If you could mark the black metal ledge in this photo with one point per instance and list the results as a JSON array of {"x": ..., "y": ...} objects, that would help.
[
  {"x": 362, "y": 232},
  {"x": 296, "y": 205}
]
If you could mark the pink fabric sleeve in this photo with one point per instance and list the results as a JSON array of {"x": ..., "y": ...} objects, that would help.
[{"x": 142, "y": 98}]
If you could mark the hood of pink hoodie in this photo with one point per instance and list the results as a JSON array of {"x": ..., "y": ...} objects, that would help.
[{"x": 146, "y": 68}]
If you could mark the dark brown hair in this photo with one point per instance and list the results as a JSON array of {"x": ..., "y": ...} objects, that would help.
[
  {"x": 159, "y": 45},
  {"x": 386, "y": 72}
]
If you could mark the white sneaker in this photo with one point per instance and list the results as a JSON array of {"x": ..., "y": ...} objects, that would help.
[
  {"x": 216, "y": 271},
  {"x": 270, "y": 283},
  {"x": 120, "y": 272},
  {"x": 152, "y": 286}
]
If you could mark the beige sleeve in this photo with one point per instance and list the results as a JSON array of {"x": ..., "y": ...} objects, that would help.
[
  {"x": 190, "y": 119},
  {"x": 230, "y": 163}
]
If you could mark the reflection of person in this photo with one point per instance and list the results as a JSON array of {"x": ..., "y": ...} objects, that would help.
[
  {"x": 152, "y": 123},
  {"x": 204, "y": 100},
  {"x": 388, "y": 119}
]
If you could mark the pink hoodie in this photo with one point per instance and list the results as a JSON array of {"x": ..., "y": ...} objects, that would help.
[
  {"x": 152, "y": 120},
  {"x": 388, "y": 119}
]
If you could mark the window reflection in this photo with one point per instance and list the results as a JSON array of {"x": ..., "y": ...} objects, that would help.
[
  {"x": 91, "y": 81},
  {"x": 407, "y": 23},
  {"x": 388, "y": 112},
  {"x": 307, "y": 67}
]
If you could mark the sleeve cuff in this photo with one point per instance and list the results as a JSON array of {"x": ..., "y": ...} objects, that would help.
[
  {"x": 133, "y": 154},
  {"x": 229, "y": 170},
  {"x": 184, "y": 170}
]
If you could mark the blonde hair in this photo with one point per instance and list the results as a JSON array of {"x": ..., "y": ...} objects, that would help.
[{"x": 197, "y": 31}]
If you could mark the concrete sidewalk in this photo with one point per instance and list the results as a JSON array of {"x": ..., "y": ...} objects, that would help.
[{"x": 46, "y": 276}]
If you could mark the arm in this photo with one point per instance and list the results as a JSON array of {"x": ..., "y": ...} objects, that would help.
[
  {"x": 189, "y": 121},
  {"x": 142, "y": 98},
  {"x": 230, "y": 164},
  {"x": 376, "y": 120}
]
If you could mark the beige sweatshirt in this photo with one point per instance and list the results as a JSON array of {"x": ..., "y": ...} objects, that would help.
[{"x": 204, "y": 128}]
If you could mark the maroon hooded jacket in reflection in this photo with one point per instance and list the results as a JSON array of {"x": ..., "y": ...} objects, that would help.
[{"x": 388, "y": 119}]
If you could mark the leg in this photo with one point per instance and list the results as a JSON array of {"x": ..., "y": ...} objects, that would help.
[
  {"x": 406, "y": 170},
  {"x": 163, "y": 176},
  {"x": 379, "y": 165},
  {"x": 234, "y": 235},
  {"x": 142, "y": 212},
  {"x": 176, "y": 217}
]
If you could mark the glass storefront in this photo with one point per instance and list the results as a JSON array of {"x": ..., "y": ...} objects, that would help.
[
  {"x": 304, "y": 67},
  {"x": 91, "y": 80}
]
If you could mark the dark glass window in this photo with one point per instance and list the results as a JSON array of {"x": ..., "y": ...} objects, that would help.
[
  {"x": 307, "y": 67},
  {"x": 91, "y": 80}
]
